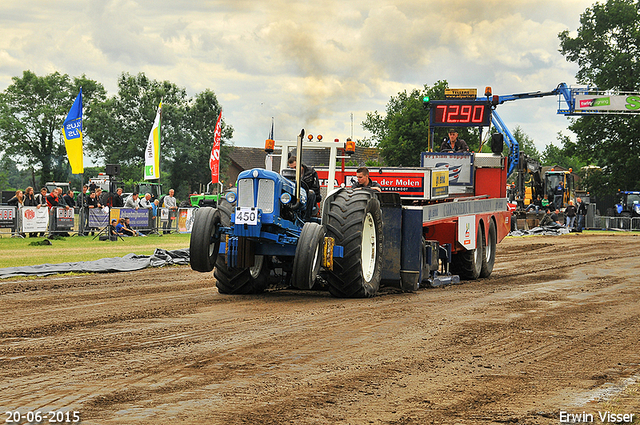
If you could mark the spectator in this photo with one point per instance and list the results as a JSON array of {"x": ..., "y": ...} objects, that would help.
[
  {"x": 17, "y": 200},
  {"x": 545, "y": 202},
  {"x": 92, "y": 205},
  {"x": 84, "y": 210},
  {"x": 582, "y": 213},
  {"x": 62, "y": 203},
  {"x": 364, "y": 181},
  {"x": 558, "y": 195},
  {"x": 41, "y": 201},
  {"x": 146, "y": 201},
  {"x": 68, "y": 199},
  {"x": 92, "y": 187},
  {"x": 99, "y": 198},
  {"x": 113, "y": 230},
  {"x": 52, "y": 203},
  {"x": 453, "y": 144},
  {"x": 29, "y": 197},
  {"x": 117, "y": 201},
  {"x": 30, "y": 201},
  {"x": 122, "y": 230},
  {"x": 547, "y": 219},
  {"x": 556, "y": 217},
  {"x": 170, "y": 202},
  {"x": 155, "y": 207},
  {"x": 570, "y": 214},
  {"x": 132, "y": 201},
  {"x": 536, "y": 205},
  {"x": 52, "y": 199},
  {"x": 128, "y": 228}
]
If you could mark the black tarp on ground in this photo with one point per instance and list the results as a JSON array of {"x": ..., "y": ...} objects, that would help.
[{"x": 127, "y": 263}]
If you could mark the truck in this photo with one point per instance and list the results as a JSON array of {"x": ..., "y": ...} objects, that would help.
[{"x": 263, "y": 232}]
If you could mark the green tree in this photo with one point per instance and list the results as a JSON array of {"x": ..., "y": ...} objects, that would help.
[
  {"x": 120, "y": 127},
  {"x": 32, "y": 110},
  {"x": 526, "y": 144},
  {"x": 11, "y": 177},
  {"x": 564, "y": 156},
  {"x": 190, "y": 153},
  {"x": 403, "y": 132},
  {"x": 607, "y": 50}
]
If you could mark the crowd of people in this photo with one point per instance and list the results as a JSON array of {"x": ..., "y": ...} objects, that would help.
[
  {"x": 92, "y": 197},
  {"x": 574, "y": 216}
]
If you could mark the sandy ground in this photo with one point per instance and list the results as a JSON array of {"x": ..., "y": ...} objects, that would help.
[{"x": 555, "y": 329}]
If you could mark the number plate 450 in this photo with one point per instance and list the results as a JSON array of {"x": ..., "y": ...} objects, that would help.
[{"x": 245, "y": 215}]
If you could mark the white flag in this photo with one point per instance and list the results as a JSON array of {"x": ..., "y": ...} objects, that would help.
[{"x": 152, "y": 152}]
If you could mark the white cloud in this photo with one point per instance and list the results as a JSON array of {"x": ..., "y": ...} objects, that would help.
[{"x": 305, "y": 63}]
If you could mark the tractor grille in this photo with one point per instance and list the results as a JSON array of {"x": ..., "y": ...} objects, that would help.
[
  {"x": 266, "y": 193},
  {"x": 245, "y": 193},
  {"x": 266, "y": 189}
]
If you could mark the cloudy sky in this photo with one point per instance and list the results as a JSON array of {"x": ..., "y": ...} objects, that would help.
[{"x": 308, "y": 64}]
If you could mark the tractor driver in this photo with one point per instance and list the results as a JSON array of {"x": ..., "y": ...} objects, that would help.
[
  {"x": 362, "y": 174},
  {"x": 453, "y": 144},
  {"x": 310, "y": 182}
]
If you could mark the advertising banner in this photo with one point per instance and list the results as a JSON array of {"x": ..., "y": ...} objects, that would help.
[
  {"x": 98, "y": 217},
  {"x": 186, "y": 216},
  {"x": 64, "y": 219},
  {"x": 34, "y": 219},
  {"x": 407, "y": 182},
  {"x": 459, "y": 165},
  {"x": 8, "y": 217},
  {"x": 138, "y": 219},
  {"x": 623, "y": 103}
]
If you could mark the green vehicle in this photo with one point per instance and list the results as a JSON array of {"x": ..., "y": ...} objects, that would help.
[
  {"x": 207, "y": 199},
  {"x": 155, "y": 189}
]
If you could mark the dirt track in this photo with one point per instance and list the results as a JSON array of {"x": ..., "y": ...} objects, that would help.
[{"x": 555, "y": 325}]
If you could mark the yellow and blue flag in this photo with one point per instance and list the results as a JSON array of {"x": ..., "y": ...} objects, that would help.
[{"x": 72, "y": 132}]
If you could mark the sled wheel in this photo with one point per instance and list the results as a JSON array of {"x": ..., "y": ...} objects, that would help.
[
  {"x": 468, "y": 263},
  {"x": 489, "y": 246}
]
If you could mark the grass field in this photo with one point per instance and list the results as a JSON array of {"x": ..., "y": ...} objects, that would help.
[{"x": 15, "y": 252}]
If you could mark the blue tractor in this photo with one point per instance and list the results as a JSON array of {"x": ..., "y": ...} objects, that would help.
[
  {"x": 262, "y": 234},
  {"x": 628, "y": 204}
]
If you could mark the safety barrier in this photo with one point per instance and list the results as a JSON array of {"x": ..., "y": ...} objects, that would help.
[
  {"x": 85, "y": 221},
  {"x": 614, "y": 223}
]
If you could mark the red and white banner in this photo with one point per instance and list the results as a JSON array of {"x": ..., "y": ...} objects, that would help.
[
  {"x": 35, "y": 219},
  {"x": 214, "y": 159}
]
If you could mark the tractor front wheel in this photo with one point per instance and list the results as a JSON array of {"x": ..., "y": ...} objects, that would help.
[
  {"x": 205, "y": 240},
  {"x": 238, "y": 281}
]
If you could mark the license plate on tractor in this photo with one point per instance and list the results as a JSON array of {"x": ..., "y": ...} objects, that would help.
[{"x": 246, "y": 215}]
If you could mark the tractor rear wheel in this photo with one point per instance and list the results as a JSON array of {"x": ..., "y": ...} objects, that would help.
[
  {"x": 468, "y": 264},
  {"x": 354, "y": 220},
  {"x": 205, "y": 240},
  {"x": 238, "y": 281}
]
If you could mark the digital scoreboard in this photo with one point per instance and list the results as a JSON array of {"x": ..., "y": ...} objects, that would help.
[{"x": 459, "y": 113}]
